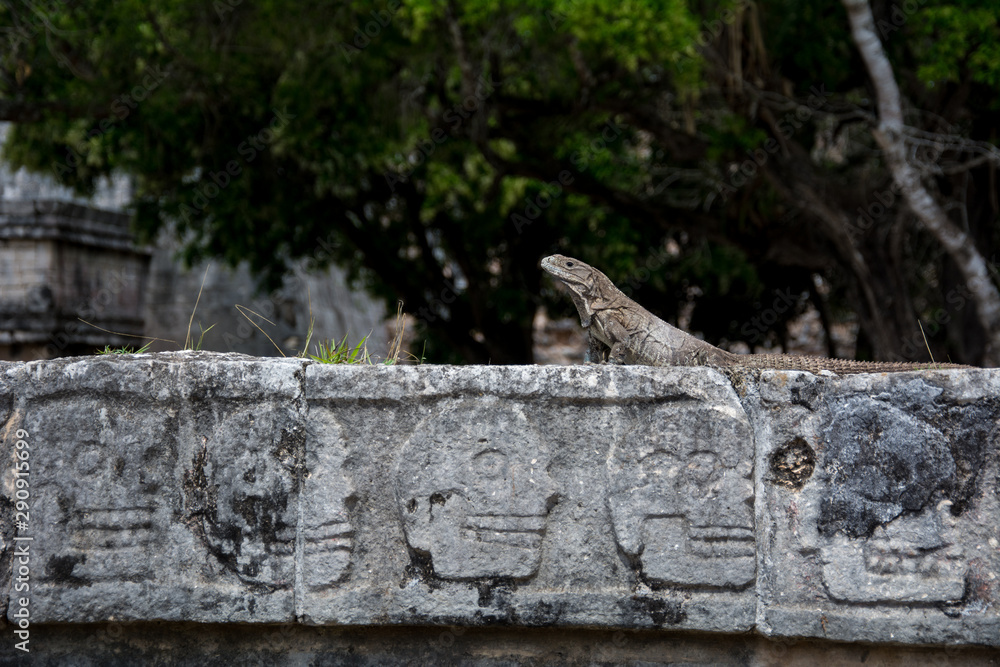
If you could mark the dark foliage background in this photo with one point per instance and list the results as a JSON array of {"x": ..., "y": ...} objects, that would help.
[{"x": 714, "y": 158}]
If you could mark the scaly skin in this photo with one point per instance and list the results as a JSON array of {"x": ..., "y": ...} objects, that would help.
[
  {"x": 633, "y": 335},
  {"x": 792, "y": 362}
]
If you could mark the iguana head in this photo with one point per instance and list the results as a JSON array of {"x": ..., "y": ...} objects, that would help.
[{"x": 583, "y": 281}]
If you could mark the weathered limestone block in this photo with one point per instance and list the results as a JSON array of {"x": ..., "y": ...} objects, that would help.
[
  {"x": 230, "y": 489},
  {"x": 877, "y": 506},
  {"x": 161, "y": 487},
  {"x": 532, "y": 496},
  {"x": 474, "y": 492},
  {"x": 681, "y": 495}
]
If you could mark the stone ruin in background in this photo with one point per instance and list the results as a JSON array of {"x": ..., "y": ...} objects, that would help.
[{"x": 61, "y": 263}]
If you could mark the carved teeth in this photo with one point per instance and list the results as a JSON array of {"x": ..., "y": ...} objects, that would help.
[
  {"x": 507, "y": 522},
  {"x": 113, "y": 518},
  {"x": 720, "y": 533},
  {"x": 334, "y": 534},
  {"x": 510, "y": 529},
  {"x": 721, "y": 541}
]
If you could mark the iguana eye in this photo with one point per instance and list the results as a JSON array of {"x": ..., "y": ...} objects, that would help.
[{"x": 568, "y": 264}]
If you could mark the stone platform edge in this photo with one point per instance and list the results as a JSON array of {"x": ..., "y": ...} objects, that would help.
[{"x": 225, "y": 489}]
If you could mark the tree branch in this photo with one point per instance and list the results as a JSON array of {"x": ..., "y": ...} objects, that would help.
[
  {"x": 835, "y": 224},
  {"x": 889, "y": 134}
]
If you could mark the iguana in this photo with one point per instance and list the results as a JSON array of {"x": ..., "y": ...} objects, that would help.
[{"x": 636, "y": 336}]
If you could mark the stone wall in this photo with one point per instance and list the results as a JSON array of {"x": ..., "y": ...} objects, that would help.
[
  {"x": 61, "y": 263},
  {"x": 650, "y": 506}
]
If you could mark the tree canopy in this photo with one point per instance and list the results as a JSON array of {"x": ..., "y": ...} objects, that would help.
[{"x": 718, "y": 160}]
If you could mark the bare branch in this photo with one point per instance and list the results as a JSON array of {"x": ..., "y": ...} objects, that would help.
[
  {"x": 836, "y": 226},
  {"x": 890, "y": 136}
]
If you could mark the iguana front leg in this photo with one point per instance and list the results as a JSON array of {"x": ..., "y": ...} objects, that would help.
[{"x": 619, "y": 337}]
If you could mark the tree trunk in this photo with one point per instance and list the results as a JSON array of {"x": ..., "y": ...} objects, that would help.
[{"x": 889, "y": 135}]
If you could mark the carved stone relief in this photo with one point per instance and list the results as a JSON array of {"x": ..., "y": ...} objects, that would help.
[
  {"x": 223, "y": 490},
  {"x": 680, "y": 496},
  {"x": 891, "y": 538},
  {"x": 119, "y": 464},
  {"x": 473, "y": 490},
  {"x": 326, "y": 528},
  {"x": 241, "y": 500},
  {"x": 914, "y": 559},
  {"x": 880, "y": 462},
  {"x": 891, "y": 535}
]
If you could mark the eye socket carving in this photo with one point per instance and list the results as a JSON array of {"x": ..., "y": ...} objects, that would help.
[
  {"x": 658, "y": 465},
  {"x": 491, "y": 462},
  {"x": 702, "y": 465}
]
